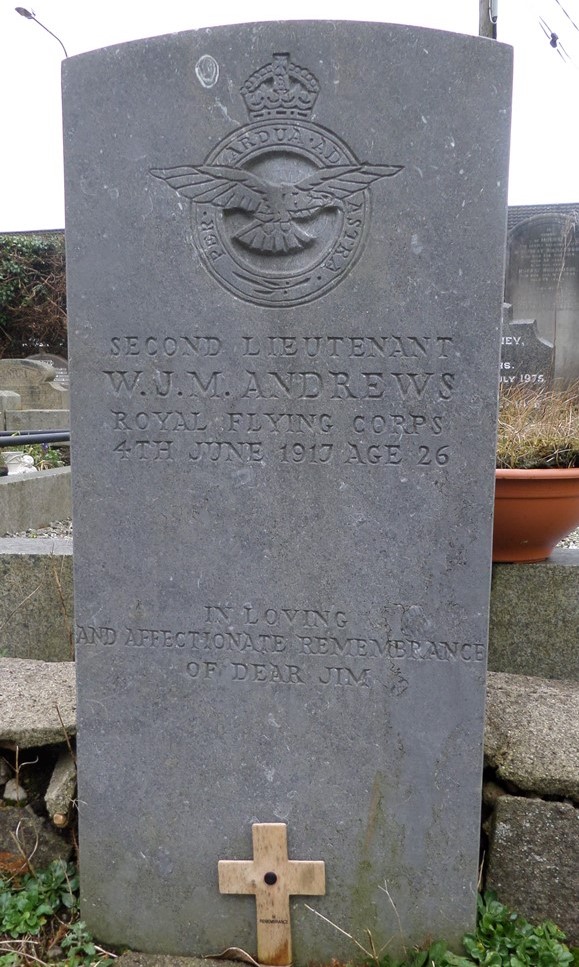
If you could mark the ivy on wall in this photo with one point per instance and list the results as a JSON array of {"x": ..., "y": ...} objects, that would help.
[{"x": 32, "y": 295}]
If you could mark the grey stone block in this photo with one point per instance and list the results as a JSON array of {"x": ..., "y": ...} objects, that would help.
[
  {"x": 34, "y": 500},
  {"x": 9, "y": 400},
  {"x": 534, "y": 861},
  {"x": 37, "y": 419},
  {"x": 38, "y": 702},
  {"x": 528, "y": 635},
  {"x": 36, "y": 610},
  {"x": 534, "y": 619},
  {"x": 532, "y": 733}
]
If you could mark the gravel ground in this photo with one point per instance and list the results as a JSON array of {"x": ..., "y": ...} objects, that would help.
[
  {"x": 571, "y": 541},
  {"x": 56, "y": 528},
  {"x": 63, "y": 528}
]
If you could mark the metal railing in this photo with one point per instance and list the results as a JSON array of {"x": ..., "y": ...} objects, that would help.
[{"x": 11, "y": 438}]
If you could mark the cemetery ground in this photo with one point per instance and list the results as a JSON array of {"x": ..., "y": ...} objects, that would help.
[{"x": 40, "y": 924}]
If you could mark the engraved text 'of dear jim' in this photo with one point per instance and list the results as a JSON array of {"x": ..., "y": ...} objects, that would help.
[{"x": 280, "y": 208}]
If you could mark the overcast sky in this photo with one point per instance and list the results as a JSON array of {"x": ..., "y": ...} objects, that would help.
[{"x": 545, "y": 135}]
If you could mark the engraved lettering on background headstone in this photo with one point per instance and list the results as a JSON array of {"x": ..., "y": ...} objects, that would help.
[
  {"x": 542, "y": 282},
  {"x": 281, "y": 207},
  {"x": 526, "y": 358}
]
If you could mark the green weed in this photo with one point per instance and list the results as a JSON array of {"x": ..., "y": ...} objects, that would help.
[
  {"x": 25, "y": 908},
  {"x": 502, "y": 939},
  {"x": 39, "y": 921}
]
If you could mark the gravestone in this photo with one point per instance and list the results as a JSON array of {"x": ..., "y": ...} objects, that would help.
[
  {"x": 542, "y": 282},
  {"x": 34, "y": 381},
  {"x": 526, "y": 358},
  {"x": 286, "y": 387},
  {"x": 59, "y": 363},
  {"x": 38, "y": 399}
]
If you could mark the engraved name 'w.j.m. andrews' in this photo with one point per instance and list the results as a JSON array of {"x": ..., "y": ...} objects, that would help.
[{"x": 280, "y": 208}]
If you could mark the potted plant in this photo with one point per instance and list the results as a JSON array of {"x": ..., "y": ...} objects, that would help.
[{"x": 537, "y": 476}]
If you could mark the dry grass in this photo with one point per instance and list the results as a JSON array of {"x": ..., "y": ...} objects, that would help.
[{"x": 538, "y": 429}]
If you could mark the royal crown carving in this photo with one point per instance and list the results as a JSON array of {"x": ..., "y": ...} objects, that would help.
[{"x": 280, "y": 89}]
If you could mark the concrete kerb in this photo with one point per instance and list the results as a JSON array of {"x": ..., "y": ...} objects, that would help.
[
  {"x": 34, "y": 499},
  {"x": 535, "y": 616},
  {"x": 39, "y": 702}
]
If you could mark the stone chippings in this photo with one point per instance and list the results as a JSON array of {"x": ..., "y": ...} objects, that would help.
[
  {"x": 534, "y": 860},
  {"x": 56, "y": 528},
  {"x": 572, "y": 540},
  {"x": 14, "y": 792},
  {"x": 532, "y": 733}
]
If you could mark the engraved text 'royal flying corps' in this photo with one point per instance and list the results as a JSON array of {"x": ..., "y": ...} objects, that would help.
[{"x": 280, "y": 209}]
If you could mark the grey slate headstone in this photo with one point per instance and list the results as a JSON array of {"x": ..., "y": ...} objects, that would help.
[
  {"x": 542, "y": 282},
  {"x": 284, "y": 375}
]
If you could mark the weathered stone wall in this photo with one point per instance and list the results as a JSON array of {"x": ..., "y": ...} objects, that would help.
[
  {"x": 531, "y": 743},
  {"x": 36, "y": 611},
  {"x": 535, "y": 616}
]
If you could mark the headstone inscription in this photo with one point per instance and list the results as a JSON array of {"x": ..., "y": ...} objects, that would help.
[
  {"x": 526, "y": 358},
  {"x": 290, "y": 387},
  {"x": 542, "y": 282}
]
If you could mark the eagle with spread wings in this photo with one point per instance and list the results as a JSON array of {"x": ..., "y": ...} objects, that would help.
[{"x": 275, "y": 210}]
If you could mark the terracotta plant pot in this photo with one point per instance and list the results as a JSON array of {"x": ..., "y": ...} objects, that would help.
[{"x": 534, "y": 510}]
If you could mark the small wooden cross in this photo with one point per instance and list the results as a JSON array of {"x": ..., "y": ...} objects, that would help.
[{"x": 272, "y": 877}]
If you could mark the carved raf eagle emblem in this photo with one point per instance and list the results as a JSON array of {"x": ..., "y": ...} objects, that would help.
[
  {"x": 281, "y": 207},
  {"x": 275, "y": 208}
]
